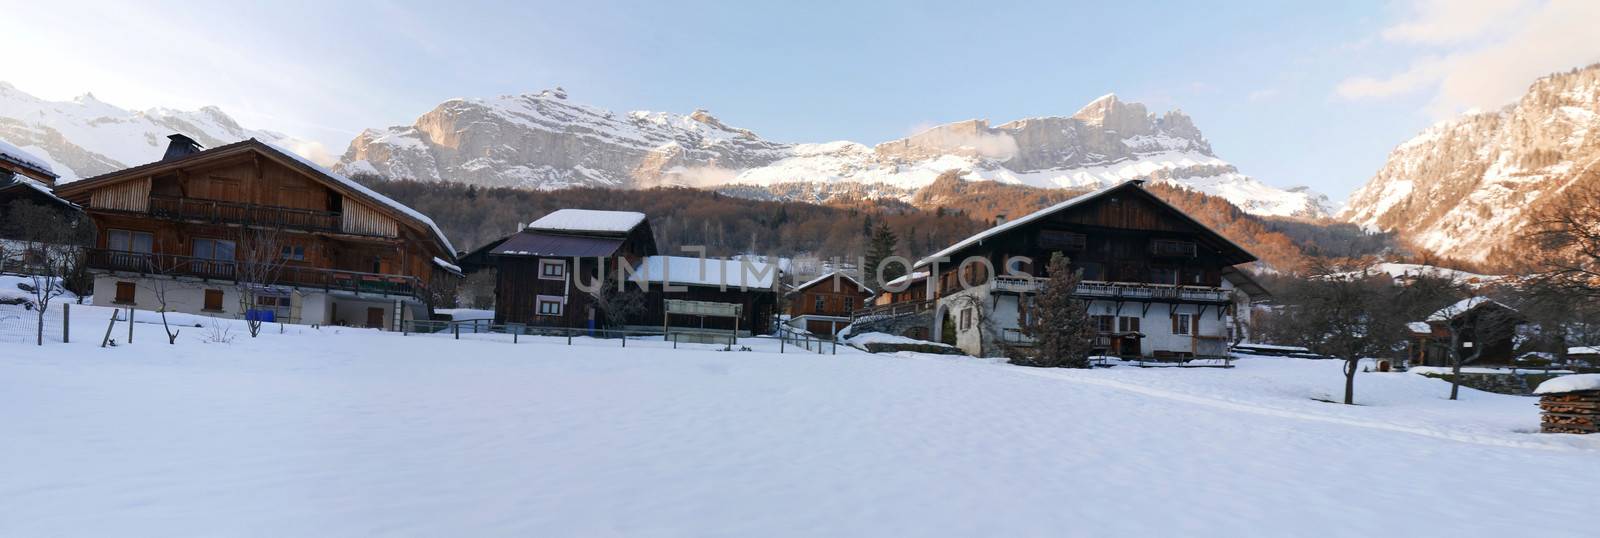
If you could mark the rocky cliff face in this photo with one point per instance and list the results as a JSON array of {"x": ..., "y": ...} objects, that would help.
[
  {"x": 1467, "y": 187},
  {"x": 545, "y": 141},
  {"x": 86, "y": 137}
]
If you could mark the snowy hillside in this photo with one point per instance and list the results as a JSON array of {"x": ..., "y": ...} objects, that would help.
[
  {"x": 86, "y": 137},
  {"x": 1467, "y": 187},
  {"x": 351, "y": 432},
  {"x": 545, "y": 141}
]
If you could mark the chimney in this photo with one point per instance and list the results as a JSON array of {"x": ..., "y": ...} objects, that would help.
[
  {"x": 999, "y": 219},
  {"x": 180, "y": 146}
]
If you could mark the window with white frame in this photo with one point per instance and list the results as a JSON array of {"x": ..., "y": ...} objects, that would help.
[
  {"x": 553, "y": 269},
  {"x": 549, "y": 305}
]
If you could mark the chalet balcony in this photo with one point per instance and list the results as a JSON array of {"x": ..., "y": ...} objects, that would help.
[
  {"x": 895, "y": 309},
  {"x": 170, "y": 265},
  {"x": 1122, "y": 291},
  {"x": 220, "y": 212}
]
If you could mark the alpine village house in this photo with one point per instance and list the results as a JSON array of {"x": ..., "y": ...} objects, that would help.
[
  {"x": 252, "y": 230},
  {"x": 544, "y": 275},
  {"x": 1158, "y": 283}
]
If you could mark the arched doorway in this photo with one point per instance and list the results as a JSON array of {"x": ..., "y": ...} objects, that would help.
[{"x": 946, "y": 327}]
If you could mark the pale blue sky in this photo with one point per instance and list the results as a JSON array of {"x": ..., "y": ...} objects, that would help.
[{"x": 1311, "y": 93}]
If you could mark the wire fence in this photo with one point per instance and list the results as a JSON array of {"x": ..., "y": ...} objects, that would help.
[
  {"x": 483, "y": 329},
  {"x": 21, "y": 323}
]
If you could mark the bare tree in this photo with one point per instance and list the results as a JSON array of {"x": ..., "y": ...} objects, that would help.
[
  {"x": 1058, "y": 322},
  {"x": 258, "y": 263},
  {"x": 161, "y": 286},
  {"x": 616, "y": 302},
  {"x": 1343, "y": 311},
  {"x": 52, "y": 244},
  {"x": 1566, "y": 240}
]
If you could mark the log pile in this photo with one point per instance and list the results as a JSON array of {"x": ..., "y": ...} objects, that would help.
[{"x": 1570, "y": 412}]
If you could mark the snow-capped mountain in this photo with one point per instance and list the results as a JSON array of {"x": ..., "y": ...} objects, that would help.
[
  {"x": 545, "y": 141},
  {"x": 86, "y": 137},
  {"x": 1467, "y": 187}
]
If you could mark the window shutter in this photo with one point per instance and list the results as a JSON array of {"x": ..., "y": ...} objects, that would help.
[{"x": 1194, "y": 324}]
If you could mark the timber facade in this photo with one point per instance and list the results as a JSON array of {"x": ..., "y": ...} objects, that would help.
[
  {"x": 250, "y": 230},
  {"x": 1158, "y": 283}
]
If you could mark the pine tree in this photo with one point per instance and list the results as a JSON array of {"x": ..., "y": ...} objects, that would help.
[
  {"x": 880, "y": 246},
  {"x": 1058, "y": 322}
]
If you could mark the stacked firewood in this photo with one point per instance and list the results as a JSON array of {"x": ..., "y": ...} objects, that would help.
[{"x": 1571, "y": 412}]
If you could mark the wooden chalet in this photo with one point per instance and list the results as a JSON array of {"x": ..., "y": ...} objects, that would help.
[
  {"x": 826, "y": 304},
  {"x": 536, "y": 269},
  {"x": 1483, "y": 323},
  {"x": 18, "y": 164},
  {"x": 1154, "y": 277},
  {"x": 338, "y": 252}
]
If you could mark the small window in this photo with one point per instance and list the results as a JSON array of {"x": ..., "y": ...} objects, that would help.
[
  {"x": 849, "y": 306},
  {"x": 553, "y": 269},
  {"x": 125, "y": 293},
  {"x": 821, "y": 303},
  {"x": 1181, "y": 323},
  {"x": 1061, "y": 240},
  {"x": 1104, "y": 324},
  {"x": 549, "y": 306},
  {"x": 214, "y": 300},
  {"x": 1128, "y": 324},
  {"x": 966, "y": 318},
  {"x": 1163, "y": 275},
  {"x": 294, "y": 252}
]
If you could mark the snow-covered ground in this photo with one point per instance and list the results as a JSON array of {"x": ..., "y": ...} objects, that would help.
[{"x": 356, "y": 432}]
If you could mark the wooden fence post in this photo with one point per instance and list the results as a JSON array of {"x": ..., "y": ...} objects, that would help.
[
  {"x": 112, "y": 325},
  {"x": 66, "y": 323},
  {"x": 130, "y": 325},
  {"x": 456, "y": 327}
]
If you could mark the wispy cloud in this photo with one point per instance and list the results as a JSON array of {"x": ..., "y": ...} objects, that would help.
[{"x": 1482, "y": 53}]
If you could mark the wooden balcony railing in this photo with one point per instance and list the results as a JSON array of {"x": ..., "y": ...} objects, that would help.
[
  {"x": 1121, "y": 290},
  {"x": 895, "y": 309},
  {"x": 279, "y": 275},
  {"x": 220, "y": 212}
]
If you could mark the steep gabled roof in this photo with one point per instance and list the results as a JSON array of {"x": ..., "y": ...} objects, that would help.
[
  {"x": 1133, "y": 185},
  {"x": 340, "y": 183},
  {"x": 830, "y": 275},
  {"x": 1464, "y": 306}
]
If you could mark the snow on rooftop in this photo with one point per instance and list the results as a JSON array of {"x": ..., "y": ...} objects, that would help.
[
  {"x": 1583, "y": 350},
  {"x": 447, "y": 265},
  {"x": 745, "y": 273},
  {"x": 1461, "y": 307},
  {"x": 588, "y": 220},
  {"x": 385, "y": 200},
  {"x": 1569, "y": 383},
  {"x": 1419, "y": 327},
  {"x": 17, "y": 155},
  {"x": 840, "y": 274},
  {"x": 911, "y": 277}
]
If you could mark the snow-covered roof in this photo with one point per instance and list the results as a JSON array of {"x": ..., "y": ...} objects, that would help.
[
  {"x": 23, "y": 182},
  {"x": 16, "y": 155},
  {"x": 588, "y": 220},
  {"x": 1042, "y": 213},
  {"x": 1420, "y": 327},
  {"x": 910, "y": 277},
  {"x": 707, "y": 272},
  {"x": 1462, "y": 307},
  {"x": 840, "y": 274},
  {"x": 447, "y": 265},
  {"x": 1583, "y": 350},
  {"x": 1569, "y": 383},
  {"x": 352, "y": 185}
]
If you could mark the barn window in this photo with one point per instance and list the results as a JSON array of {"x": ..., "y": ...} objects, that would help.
[
  {"x": 293, "y": 252},
  {"x": 821, "y": 303},
  {"x": 549, "y": 305},
  {"x": 553, "y": 269},
  {"x": 213, "y": 300}
]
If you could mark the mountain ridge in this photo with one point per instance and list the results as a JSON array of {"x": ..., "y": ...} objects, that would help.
[{"x": 545, "y": 141}]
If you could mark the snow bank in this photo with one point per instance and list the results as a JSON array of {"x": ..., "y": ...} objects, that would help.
[
  {"x": 885, "y": 338},
  {"x": 1569, "y": 383},
  {"x": 350, "y": 432}
]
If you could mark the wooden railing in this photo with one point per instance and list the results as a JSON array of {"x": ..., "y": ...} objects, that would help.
[
  {"x": 895, "y": 309},
  {"x": 1120, "y": 290},
  {"x": 221, "y": 212},
  {"x": 280, "y": 274}
]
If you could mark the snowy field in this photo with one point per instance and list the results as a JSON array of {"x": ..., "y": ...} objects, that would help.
[{"x": 344, "y": 432}]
